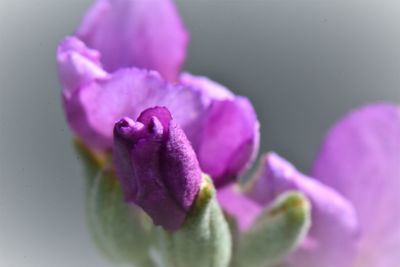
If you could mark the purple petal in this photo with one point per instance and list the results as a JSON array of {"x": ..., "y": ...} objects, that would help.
[
  {"x": 229, "y": 139},
  {"x": 162, "y": 114},
  {"x": 239, "y": 206},
  {"x": 211, "y": 90},
  {"x": 136, "y": 33},
  {"x": 360, "y": 158},
  {"x": 157, "y": 167},
  {"x": 77, "y": 65},
  {"x": 333, "y": 235},
  {"x": 93, "y": 110}
]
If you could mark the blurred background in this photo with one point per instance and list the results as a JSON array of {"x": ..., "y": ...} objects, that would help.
[{"x": 302, "y": 63}]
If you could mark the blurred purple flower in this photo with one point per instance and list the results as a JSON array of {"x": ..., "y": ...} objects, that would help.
[
  {"x": 157, "y": 166},
  {"x": 98, "y": 90},
  {"x": 334, "y": 224},
  {"x": 360, "y": 158},
  {"x": 354, "y": 193}
]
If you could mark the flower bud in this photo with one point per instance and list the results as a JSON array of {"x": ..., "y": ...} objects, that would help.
[{"x": 157, "y": 166}]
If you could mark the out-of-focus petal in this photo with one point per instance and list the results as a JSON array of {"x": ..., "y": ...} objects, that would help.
[
  {"x": 136, "y": 33},
  {"x": 239, "y": 206},
  {"x": 77, "y": 65},
  {"x": 93, "y": 110},
  {"x": 332, "y": 239},
  {"x": 229, "y": 139},
  {"x": 360, "y": 158}
]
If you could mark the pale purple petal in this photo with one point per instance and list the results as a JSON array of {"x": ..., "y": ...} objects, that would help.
[
  {"x": 229, "y": 140},
  {"x": 360, "y": 158},
  {"x": 211, "y": 90},
  {"x": 77, "y": 65},
  {"x": 239, "y": 206},
  {"x": 93, "y": 110},
  {"x": 332, "y": 239},
  {"x": 136, "y": 33}
]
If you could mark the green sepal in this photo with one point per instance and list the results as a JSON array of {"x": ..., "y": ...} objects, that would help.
[
  {"x": 118, "y": 229},
  {"x": 280, "y": 228},
  {"x": 204, "y": 240}
]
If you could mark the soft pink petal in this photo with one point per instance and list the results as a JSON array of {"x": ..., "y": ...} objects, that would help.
[{"x": 360, "y": 157}]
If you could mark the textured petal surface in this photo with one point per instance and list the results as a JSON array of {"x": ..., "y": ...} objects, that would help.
[
  {"x": 229, "y": 140},
  {"x": 332, "y": 238},
  {"x": 243, "y": 209},
  {"x": 360, "y": 157},
  {"x": 93, "y": 110},
  {"x": 157, "y": 166},
  {"x": 136, "y": 33}
]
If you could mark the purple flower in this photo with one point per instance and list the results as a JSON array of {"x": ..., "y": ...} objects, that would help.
[
  {"x": 136, "y": 33},
  {"x": 157, "y": 166},
  {"x": 99, "y": 89},
  {"x": 358, "y": 166},
  {"x": 208, "y": 112},
  {"x": 97, "y": 101}
]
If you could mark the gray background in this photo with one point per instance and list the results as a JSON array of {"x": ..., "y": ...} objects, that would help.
[{"x": 302, "y": 63}]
